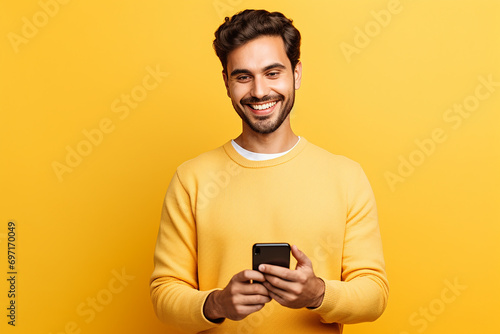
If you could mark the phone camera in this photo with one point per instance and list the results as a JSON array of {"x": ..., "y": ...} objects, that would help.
[{"x": 257, "y": 251}]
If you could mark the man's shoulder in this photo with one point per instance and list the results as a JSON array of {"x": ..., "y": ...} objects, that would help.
[
  {"x": 204, "y": 161},
  {"x": 323, "y": 155},
  {"x": 335, "y": 167}
]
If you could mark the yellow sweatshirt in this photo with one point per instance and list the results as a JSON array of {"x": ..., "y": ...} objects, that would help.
[{"x": 219, "y": 204}]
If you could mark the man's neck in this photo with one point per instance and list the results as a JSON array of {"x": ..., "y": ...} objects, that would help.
[{"x": 278, "y": 141}]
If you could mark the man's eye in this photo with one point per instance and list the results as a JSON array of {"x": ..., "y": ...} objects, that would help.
[
  {"x": 243, "y": 78},
  {"x": 273, "y": 74}
]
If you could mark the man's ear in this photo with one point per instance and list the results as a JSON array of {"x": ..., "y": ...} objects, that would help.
[
  {"x": 224, "y": 76},
  {"x": 297, "y": 73}
]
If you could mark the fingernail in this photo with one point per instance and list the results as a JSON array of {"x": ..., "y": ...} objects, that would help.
[{"x": 262, "y": 267}]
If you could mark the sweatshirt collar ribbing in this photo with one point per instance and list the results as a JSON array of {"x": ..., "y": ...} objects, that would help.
[{"x": 237, "y": 158}]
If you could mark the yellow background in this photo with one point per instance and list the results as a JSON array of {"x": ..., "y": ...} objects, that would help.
[{"x": 441, "y": 224}]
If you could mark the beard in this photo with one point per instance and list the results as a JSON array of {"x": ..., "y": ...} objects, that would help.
[{"x": 267, "y": 123}]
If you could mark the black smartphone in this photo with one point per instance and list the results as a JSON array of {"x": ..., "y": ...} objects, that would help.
[{"x": 277, "y": 254}]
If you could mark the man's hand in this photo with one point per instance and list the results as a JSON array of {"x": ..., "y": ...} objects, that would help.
[
  {"x": 238, "y": 299},
  {"x": 294, "y": 288}
]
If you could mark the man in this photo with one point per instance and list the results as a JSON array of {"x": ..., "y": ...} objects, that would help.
[{"x": 267, "y": 185}]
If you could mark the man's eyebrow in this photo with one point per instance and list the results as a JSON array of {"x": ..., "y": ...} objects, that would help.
[
  {"x": 275, "y": 65},
  {"x": 267, "y": 68},
  {"x": 240, "y": 71}
]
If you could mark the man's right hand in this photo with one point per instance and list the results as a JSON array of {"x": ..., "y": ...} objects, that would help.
[{"x": 238, "y": 299}]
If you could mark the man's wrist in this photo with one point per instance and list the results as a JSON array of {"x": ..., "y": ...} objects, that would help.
[
  {"x": 321, "y": 294},
  {"x": 210, "y": 309}
]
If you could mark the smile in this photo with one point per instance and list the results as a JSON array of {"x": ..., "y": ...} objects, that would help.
[{"x": 262, "y": 106}]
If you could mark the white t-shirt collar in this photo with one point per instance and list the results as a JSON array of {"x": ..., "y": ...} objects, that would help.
[{"x": 259, "y": 156}]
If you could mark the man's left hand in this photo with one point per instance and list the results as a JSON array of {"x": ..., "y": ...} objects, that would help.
[{"x": 294, "y": 288}]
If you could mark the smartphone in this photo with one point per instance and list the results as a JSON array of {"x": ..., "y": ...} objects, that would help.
[{"x": 277, "y": 254}]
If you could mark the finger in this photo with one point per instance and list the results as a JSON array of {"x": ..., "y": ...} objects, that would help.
[
  {"x": 247, "y": 275},
  {"x": 276, "y": 294},
  {"x": 272, "y": 289},
  {"x": 278, "y": 282},
  {"x": 253, "y": 289},
  {"x": 277, "y": 271},
  {"x": 302, "y": 259},
  {"x": 254, "y": 299},
  {"x": 249, "y": 309}
]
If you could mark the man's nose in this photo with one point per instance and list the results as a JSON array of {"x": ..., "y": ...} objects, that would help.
[{"x": 259, "y": 88}]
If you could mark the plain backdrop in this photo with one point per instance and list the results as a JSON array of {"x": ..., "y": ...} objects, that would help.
[{"x": 100, "y": 101}]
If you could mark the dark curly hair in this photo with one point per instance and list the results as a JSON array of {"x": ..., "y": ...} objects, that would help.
[{"x": 250, "y": 24}]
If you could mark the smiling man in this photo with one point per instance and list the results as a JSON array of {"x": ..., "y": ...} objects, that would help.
[
  {"x": 267, "y": 185},
  {"x": 262, "y": 91}
]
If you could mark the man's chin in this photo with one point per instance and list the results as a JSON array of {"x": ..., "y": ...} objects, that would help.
[{"x": 264, "y": 126}]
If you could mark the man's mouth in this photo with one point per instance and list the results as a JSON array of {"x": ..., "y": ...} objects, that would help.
[{"x": 262, "y": 106}]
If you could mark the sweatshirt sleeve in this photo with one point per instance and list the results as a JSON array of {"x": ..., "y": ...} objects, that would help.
[
  {"x": 361, "y": 294},
  {"x": 174, "y": 283}
]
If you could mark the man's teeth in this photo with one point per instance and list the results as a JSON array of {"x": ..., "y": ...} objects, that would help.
[{"x": 263, "y": 106}]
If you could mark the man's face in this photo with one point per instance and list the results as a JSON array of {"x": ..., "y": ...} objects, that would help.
[{"x": 261, "y": 83}]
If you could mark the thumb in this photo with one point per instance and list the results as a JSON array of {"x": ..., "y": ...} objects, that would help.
[{"x": 302, "y": 259}]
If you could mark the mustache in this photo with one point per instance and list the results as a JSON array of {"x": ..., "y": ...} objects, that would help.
[{"x": 252, "y": 99}]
